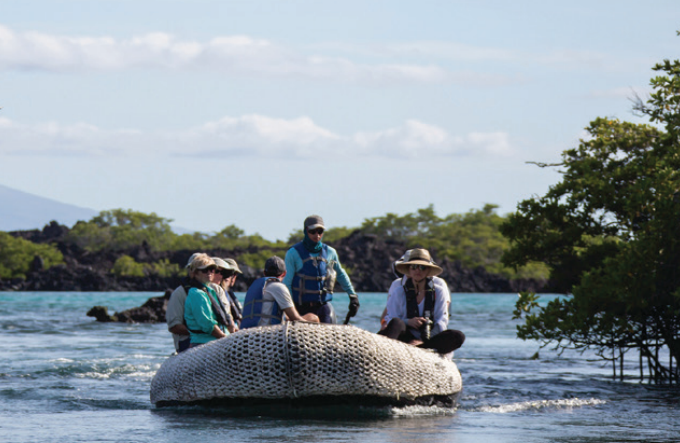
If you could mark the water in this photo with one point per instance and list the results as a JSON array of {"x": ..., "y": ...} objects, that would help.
[{"x": 66, "y": 378}]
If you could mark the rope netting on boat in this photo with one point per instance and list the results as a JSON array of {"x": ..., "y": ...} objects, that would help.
[{"x": 300, "y": 360}]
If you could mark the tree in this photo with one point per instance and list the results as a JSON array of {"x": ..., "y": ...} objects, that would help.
[
  {"x": 473, "y": 238},
  {"x": 610, "y": 233},
  {"x": 120, "y": 229}
]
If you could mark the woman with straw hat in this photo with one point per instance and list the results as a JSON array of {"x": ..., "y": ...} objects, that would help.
[{"x": 418, "y": 305}]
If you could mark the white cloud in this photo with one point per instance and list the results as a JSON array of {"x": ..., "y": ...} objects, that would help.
[
  {"x": 239, "y": 55},
  {"x": 249, "y": 135}
]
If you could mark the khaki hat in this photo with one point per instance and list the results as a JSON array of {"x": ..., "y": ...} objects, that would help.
[
  {"x": 418, "y": 257},
  {"x": 221, "y": 264},
  {"x": 234, "y": 265},
  {"x": 193, "y": 256},
  {"x": 201, "y": 261}
]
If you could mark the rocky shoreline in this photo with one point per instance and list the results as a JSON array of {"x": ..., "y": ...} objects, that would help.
[{"x": 367, "y": 258}]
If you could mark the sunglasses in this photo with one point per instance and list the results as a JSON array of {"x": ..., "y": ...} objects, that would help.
[
  {"x": 417, "y": 267},
  {"x": 315, "y": 231},
  {"x": 227, "y": 274},
  {"x": 208, "y": 270}
]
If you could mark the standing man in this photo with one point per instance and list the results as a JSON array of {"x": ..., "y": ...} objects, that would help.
[
  {"x": 313, "y": 268},
  {"x": 267, "y": 299}
]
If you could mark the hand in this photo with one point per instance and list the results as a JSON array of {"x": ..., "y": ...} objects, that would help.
[
  {"x": 353, "y": 305},
  {"x": 416, "y": 322}
]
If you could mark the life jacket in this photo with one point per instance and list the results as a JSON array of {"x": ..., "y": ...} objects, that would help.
[
  {"x": 236, "y": 309},
  {"x": 216, "y": 305},
  {"x": 252, "y": 306},
  {"x": 412, "y": 302},
  {"x": 315, "y": 281}
]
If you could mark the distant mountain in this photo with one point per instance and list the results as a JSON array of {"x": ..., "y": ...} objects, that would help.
[{"x": 23, "y": 211}]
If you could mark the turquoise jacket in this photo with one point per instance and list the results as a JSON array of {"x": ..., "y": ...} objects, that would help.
[{"x": 199, "y": 315}]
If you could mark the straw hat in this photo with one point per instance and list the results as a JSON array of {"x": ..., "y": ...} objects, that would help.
[{"x": 418, "y": 257}]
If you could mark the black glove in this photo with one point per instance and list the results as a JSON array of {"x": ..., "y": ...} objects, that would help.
[{"x": 353, "y": 305}]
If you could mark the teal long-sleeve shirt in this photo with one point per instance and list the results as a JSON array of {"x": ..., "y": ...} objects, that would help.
[
  {"x": 294, "y": 264},
  {"x": 199, "y": 315}
]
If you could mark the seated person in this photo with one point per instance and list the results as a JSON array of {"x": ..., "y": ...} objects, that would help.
[
  {"x": 205, "y": 315},
  {"x": 399, "y": 275},
  {"x": 268, "y": 301},
  {"x": 418, "y": 306},
  {"x": 174, "y": 313},
  {"x": 220, "y": 284},
  {"x": 236, "y": 308}
]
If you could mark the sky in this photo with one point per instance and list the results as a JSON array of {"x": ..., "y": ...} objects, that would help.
[{"x": 259, "y": 113}]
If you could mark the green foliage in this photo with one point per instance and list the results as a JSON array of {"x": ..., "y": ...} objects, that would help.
[
  {"x": 120, "y": 229},
  {"x": 126, "y": 266},
  {"x": 164, "y": 268},
  {"x": 256, "y": 259},
  {"x": 16, "y": 255},
  {"x": 473, "y": 238},
  {"x": 609, "y": 232}
]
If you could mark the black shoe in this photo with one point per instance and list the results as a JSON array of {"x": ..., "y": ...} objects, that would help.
[{"x": 445, "y": 342}]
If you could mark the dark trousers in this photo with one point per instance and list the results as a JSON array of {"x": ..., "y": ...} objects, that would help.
[{"x": 444, "y": 342}]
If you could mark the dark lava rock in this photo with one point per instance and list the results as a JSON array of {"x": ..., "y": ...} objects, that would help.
[
  {"x": 366, "y": 257},
  {"x": 152, "y": 311}
]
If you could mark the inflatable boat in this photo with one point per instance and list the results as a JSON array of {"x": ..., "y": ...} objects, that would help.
[{"x": 306, "y": 364}]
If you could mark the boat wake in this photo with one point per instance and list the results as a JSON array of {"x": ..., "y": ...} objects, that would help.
[{"x": 539, "y": 405}]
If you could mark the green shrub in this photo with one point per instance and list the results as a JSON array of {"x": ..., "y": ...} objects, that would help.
[
  {"x": 126, "y": 266},
  {"x": 16, "y": 255}
]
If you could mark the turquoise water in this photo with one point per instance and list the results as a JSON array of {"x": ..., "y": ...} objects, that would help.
[{"x": 66, "y": 378}]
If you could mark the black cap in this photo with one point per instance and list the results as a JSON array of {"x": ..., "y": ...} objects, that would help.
[{"x": 274, "y": 266}]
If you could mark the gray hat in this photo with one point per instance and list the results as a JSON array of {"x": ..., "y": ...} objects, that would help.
[
  {"x": 234, "y": 265},
  {"x": 274, "y": 266},
  {"x": 313, "y": 222}
]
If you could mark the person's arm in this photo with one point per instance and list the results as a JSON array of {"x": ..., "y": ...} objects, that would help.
[
  {"x": 342, "y": 277},
  {"x": 396, "y": 302},
  {"x": 293, "y": 265},
  {"x": 279, "y": 292},
  {"x": 179, "y": 329},
  {"x": 441, "y": 306},
  {"x": 293, "y": 315},
  {"x": 174, "y": 313},
  {"x": 217, "y": 332}
]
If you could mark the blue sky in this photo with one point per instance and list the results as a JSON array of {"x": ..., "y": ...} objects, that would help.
[{"x": 259, "y": 113}]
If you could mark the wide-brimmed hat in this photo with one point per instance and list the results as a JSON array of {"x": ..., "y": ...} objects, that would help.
[
  {"x": 222, "y": 264},
  {"x": 418, "y": 257},
  {"x": 201, "y": 261},
  {"x": 193, "y": 256},
  {"x": 234, "y": 265}
]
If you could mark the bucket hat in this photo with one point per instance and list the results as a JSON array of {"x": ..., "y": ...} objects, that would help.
[{"x": 419, "y": 257}]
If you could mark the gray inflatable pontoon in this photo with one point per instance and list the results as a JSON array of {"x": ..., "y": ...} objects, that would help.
[{"x": 306, "y": 364}]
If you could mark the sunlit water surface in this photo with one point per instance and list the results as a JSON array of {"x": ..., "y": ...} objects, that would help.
[{"x": 66, "y": 378}]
